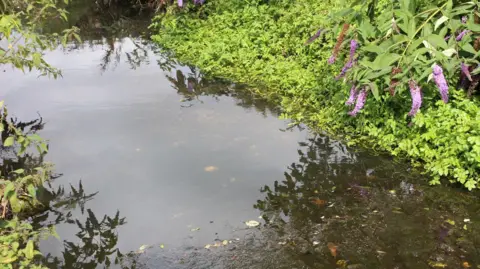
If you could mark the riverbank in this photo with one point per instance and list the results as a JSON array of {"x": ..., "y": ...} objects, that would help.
[{"x": 264, "y": 46}]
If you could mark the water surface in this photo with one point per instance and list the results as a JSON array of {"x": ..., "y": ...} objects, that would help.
[{"x": 187, "y": 159}]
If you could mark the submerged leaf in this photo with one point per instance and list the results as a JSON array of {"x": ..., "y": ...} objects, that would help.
[
  {"x": 333, "y": 249},
  {"x": 318, "y": 202}
]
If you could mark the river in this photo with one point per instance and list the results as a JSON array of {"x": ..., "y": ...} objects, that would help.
[{"x": 187, "y": 160}]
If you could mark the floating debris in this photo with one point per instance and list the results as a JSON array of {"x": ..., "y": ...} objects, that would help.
[
  {"x": 142, "y": 248},
  {"x": 252, "y": 223},
  {"x": 195, "y": 229},
  {"x": 210, "y": 168}
]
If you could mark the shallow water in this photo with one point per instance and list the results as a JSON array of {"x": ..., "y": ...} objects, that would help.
[{"x": 186, "y": 160}]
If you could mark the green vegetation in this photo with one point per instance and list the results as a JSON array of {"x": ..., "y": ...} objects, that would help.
[{"x": 262, "y": 43}]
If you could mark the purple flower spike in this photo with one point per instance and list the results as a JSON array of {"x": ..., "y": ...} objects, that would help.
[
  {"x": 361, "y": 99},
  {"x": 466, "y": 71},
  {"x": 331, "y": 60},
  {"x": 345, "y": 68},
  {"x": 353, "y": 95},
  {"x": 416, "y": 93},
  {"x": 464, "y": 19},
  {"x": 442, "y": 85},
  {"x": 353, "y": 48},
  {"x": 351, "y": 60},
  {"x": 180, "y": 3},
  {"x": 461, "y": 35}
]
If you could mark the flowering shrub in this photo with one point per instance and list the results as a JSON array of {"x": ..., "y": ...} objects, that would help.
[{"x": 406, "y": 46}]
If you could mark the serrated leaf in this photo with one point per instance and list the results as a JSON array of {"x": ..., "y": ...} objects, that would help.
[{"x": 440, "y": 22}]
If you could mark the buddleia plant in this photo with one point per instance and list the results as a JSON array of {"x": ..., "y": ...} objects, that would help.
[{"x": 425, "y": 48}]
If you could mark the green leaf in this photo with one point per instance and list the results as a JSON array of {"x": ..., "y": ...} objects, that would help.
[
  {"x": 469, "y": 48},
  {"x": 35, "y": 137},
  {"x": 8, "y": 142},
  {"x": 366, "y": 29},
  {"x": 437, "y": 41},
  {"x": 15, "y": 203},
  {"x": 9, "y": 188},
  {"x": 29, "y": 250},
  {"x": 8, "y": 260},
  {"x": 43, "y": 147},
  {"x": 473, "y": 26},
  {"x": 385, "y": 60},
  {"x": 440, "y": 22},
  {"x": 449, "y": 52},
  {"x": 19, "y": 171},
  {"x": 412, "y": 28},
  {"x": 32, "y": 191},
  {"x": 373, "y": 48},
  {"x": 374, "y": 89}
]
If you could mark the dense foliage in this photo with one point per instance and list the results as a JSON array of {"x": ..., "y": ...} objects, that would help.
[{"x": 277, "y": 47}]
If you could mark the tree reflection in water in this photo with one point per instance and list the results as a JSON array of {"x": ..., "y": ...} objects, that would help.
[
  {"x": 97, "y": 238},
  {"x": 191, "y": 84},
  {"x": 336, "y": 208}
]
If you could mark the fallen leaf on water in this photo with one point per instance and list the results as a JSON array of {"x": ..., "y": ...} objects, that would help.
[
  {"x": 318, "y": 202},
  {"x": 437, "y": 264},
  {"x": 225, "y": 242},
  {"x": 195, "y": 229},
  {"x": 466, "y": 265},
  {"x": 208, "y": 246},
  {"x": 162, "y": 246},
  {"x": 210, "y": 168},
  {"x": 333, "y": 249},
  {"x": 252, "y": 223}
]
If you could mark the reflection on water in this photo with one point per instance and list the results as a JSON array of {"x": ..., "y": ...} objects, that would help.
[{"x": 171, "y": 157}]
